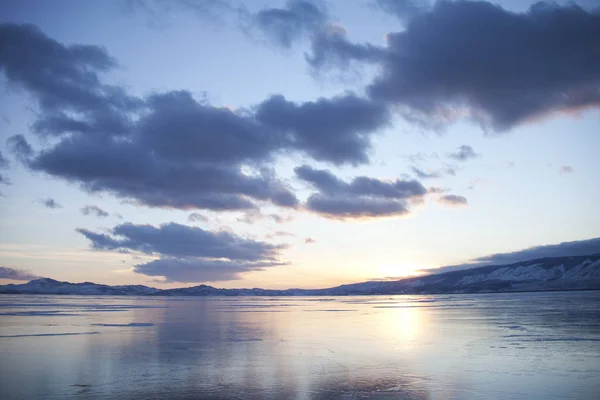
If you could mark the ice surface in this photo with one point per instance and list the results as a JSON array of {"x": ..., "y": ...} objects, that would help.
[
  {"x": 49, "y": 334},
  {"x": 523, "y": 346},
  {"x": 129, "y": 324}
]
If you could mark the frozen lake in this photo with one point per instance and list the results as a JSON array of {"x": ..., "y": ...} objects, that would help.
[{"x": 497, "y": 346}]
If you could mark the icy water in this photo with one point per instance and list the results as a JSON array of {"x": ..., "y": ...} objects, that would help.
[{"x": 500, "y": 346}]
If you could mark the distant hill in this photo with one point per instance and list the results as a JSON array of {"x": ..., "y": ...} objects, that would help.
[
  {"x": 557, "y": 273},
  {"x": 51, "y": 286}
]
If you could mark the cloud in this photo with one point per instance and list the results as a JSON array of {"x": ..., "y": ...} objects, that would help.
[
  {"x": 3, "y": 162},
  {"x": 279, "y": 234},
  {"x": 403, "y": 9},
  {"x": 309, "y": 240},
  {"x": 4, "y": 180},
  {"x": 170, "y": 149},
  {"x": 188, "y": 254},
  {"x": 444, "y": 64},
  {"x": 94, "y": 210},
  {"x": 426, "y": 175},
  {"x": 65, "y": 82},
  {"x": 180, "y": 241},
  {"x": 565, "y": 169},
  {"x": 474, "y": 59},
  {"x": 19, "y": 146},
  {"x": 253, "y": 216},
  {"x": 363, "y": 197},
  {"x": 437, "y": 190},
  {"x": 199, "y": 270},
  {"x": 287, "y": 25},
  {"x": 337, "y": 130},
  {"x": 280, "y": 219},
  {"x": 183, "y": 155},
  {"x": 453, "y": 200},
  {"x": 16, "y": 274},
  {"x": 463, "y": 153},
  {"x": 421, "y": 174},
  {"x": 330, "y": 48},
  {"x": 194, "y": 217},
  {"x": 283, "y": 26},
  {"x": 50, "y": 203},
  {"x": 564, "y": 249}
]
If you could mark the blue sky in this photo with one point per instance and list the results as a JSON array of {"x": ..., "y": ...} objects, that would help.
[{"x": 531, "y": 180}]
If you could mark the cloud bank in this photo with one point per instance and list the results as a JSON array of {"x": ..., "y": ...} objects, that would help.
[
  {"x": 362, "y": 198},
  {"x": 475, "y": 59},
  {"x": 188, "y": 254}
]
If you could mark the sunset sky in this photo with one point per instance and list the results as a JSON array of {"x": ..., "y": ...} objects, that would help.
[{"x": 294, "y": 143}]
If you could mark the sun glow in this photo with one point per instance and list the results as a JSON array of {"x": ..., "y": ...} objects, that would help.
[{"x": 399, "y": 270}]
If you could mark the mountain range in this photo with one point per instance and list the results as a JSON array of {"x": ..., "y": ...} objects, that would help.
[{"x": 544, "y": 274}]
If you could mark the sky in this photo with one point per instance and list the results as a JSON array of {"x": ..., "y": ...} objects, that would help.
[{"x": 295, "y": 143}]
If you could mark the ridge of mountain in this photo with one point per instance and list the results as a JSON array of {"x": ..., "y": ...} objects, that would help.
[{"x": 553, "y": 273}]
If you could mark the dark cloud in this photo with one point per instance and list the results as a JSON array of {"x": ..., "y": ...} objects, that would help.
[
  {"x": 331, "y": 48},
  {"x": 94, "y": 210},
  {"x": 565, "y": 169},
  {"x": 565, "y": 249},
  {"x": 363, "y": 197},
  {"x": 65, "y": 82},
  {"x": 337, "y": 130},
  {"x": 184, "y": 155},
  {"x": 170, "y": 149},
  {"x": 188, "y": 254},
  {"x": 175, "y": 240},
  {"x": 16, "y": 274},
  {"x": 3, "y": 162},
  {"x": 463, "y": 153},
  {"x": 296, "y": 20},
  {"x": 403, "y": 9},
  {"x": 4, "y": 180},
  {"x": 199, "y": 270},
  {"x": 19, "y": 146},
  {"x": 50, "y": 203},
  {"x": 475, "y": 59},
  {"x": 453, "y": 200},
  {"x": 194, "y": 217},
  {"x": 503, "y": 68}
]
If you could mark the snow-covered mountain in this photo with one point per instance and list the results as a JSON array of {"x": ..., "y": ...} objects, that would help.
[
  {"x": 558, "y": 273},
  {"x": 51, "y": 286}
]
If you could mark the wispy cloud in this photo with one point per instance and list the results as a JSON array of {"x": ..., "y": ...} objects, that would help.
[
  {"x": 195, "y": 217},
  {"x": 16, "y": 274},
  {"x": 94, "y": 210},
  {"x": 453, "y": 200},
  {"x": 565, "y": 170},
  {"x": 50, "y": 203},
  {"x": 463, "y": 153}
]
